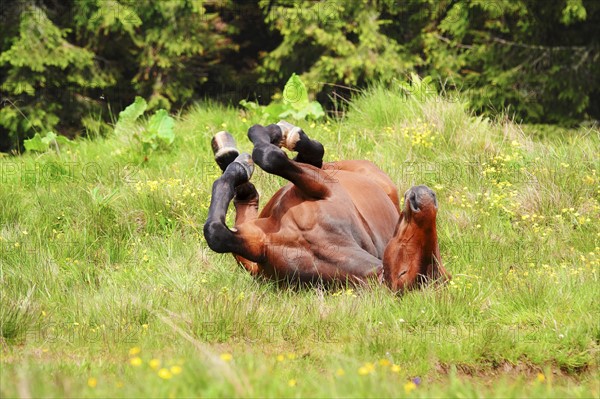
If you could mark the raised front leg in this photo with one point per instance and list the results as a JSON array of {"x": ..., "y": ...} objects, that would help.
[
  {"x": 309, "y": 178},
  {"x": 294, "y": 139}
]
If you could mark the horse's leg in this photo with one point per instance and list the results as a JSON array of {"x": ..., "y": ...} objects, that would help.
[
  {"x": 294, "y": 139},
  {"x": 234, "y": 182},
  {"x": 267, "y": 154}
]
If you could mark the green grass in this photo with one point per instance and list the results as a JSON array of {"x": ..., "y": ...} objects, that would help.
[{"x": 104, "y": 268}]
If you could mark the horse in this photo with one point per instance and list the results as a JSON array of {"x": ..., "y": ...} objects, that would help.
[{"x": 334, "y": 222}]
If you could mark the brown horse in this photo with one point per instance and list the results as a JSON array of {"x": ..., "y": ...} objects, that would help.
[{"x": 334, "y": 222}]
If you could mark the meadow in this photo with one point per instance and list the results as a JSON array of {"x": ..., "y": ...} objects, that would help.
[{"x": 109, "y": 290}]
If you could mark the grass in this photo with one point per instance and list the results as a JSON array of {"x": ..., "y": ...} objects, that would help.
[{"x": 109, "y": 290}]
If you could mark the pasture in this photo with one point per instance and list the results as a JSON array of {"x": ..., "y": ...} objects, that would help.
[{"x": 109, "y": 290}]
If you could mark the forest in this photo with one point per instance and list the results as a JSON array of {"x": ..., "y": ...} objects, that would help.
[{"x": 70, "y": 67}]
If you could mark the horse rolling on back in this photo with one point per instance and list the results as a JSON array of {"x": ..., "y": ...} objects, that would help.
[{"x": 333, "y": 222}]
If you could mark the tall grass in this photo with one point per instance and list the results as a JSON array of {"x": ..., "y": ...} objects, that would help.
[{"x": 108, "y": 288}]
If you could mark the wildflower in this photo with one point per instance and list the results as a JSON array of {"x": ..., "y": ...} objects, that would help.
[
  {"x": 292, "y": 383},
  {"x": 154, "y": 364},
  {"x": 226, "y": 357},
  {"x": 176, "y": 370},
  {"x": 134, "y": 351},
  {"x": 384, "y": 362},
  {"x": 367, "y": 368},
  {"x": 340, "y": 372},
  {"x": 135, "y": 361},
  {"x": 395, "y": 368},
  {"x": 291, "y": 356},
  {"x": 280, "y": 358},
  {"x": 409, "y": 387},
  {"x": 541, "y": 377},
  {"x": 92, "y": 382},
  {"x": 165, "y": 374}
]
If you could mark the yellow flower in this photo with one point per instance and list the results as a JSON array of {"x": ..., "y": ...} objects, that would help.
[
  {"x": 176, "y": 370},
  {"x": 154, "y": 364},
  {"x": 384, "y": 362},
  {"x": 367, "y": 368},
  {"x": 226, "y": 357},
  {"x": 164, "y": 374},
  {"x": 291, "y": 356},
  {"x": 409, "y": 387},
  {"x": 292, "y": 383},
  {"x": 340, "y": 372},
  {"x": 134, "y": 351},
  {"x": 395, "y": 368},
  {"x": 280, "y": 358},
  {"x": 135, "y": 361},
  {"x": 541, "y": 377},
  {"x": 92, "y": 382}
]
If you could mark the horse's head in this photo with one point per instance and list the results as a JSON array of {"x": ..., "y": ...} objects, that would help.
[{"x": 412, "y": 257}]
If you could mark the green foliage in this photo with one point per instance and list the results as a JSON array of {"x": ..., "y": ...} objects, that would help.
[
  {"x": 69, "y": 67},
  {"x": 294, "y": 104},
  {"x": 159, "y": 130},
  {"x": 69, "y": 64},
  {"x": 43, "y": 144},
  {"x": 421, "y": 89},
  {"x": 334, "y": 42},
  {"x": 129, "y": 116},
  {"x": 157, "y": 133},
  {"x": 44, "y": 73},
  {"x": 505, "y": 54}
]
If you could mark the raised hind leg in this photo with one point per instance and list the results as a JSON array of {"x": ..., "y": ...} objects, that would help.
[
  {"x": 306, "y": 174},
  {"x": 233, "y": 184}
]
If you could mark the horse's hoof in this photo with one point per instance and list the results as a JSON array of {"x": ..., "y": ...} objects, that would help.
[
  {"x": 224, "y": 148},
  {"x": 245, "y": 160},
  {"x": 290, "y": 135}
]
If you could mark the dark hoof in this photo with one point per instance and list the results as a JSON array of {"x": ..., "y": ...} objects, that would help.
[
  {"x": 247, "y": 163},
  {"x": 224, "y": 148}
]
